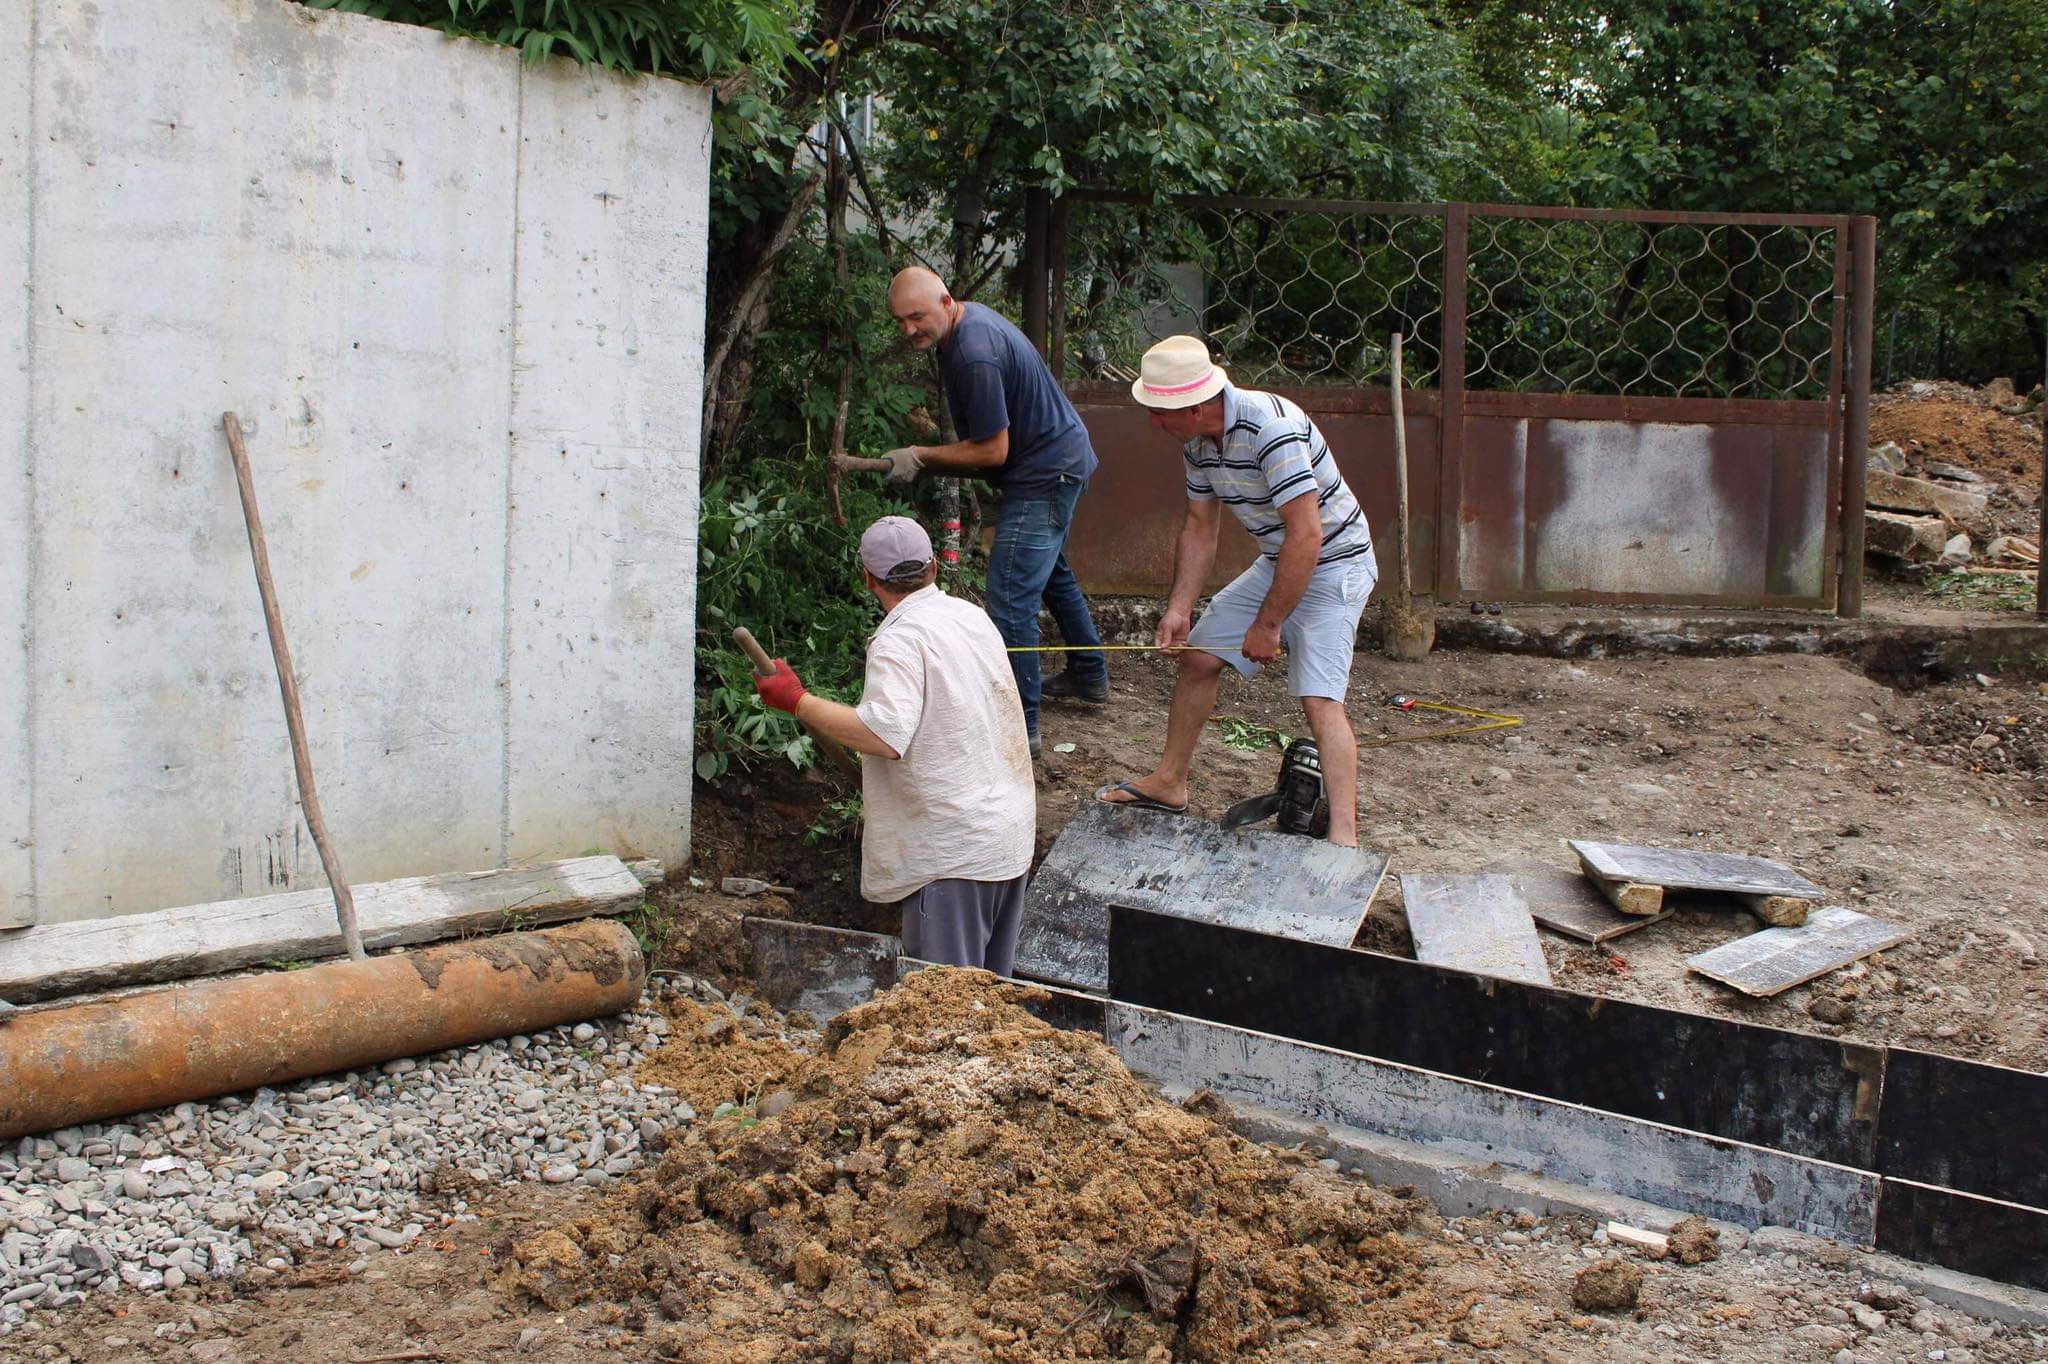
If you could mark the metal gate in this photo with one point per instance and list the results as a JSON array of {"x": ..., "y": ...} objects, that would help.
[{"x": 1602, "y": 406}]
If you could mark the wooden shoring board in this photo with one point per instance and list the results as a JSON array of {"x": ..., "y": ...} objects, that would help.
[
  {"x": 1568, "y": 903},
  {"x": 1492, "y": 1125},
  {"x": 1810, "y": 1095},
  {"x": 51, "y": 961},
  {"x": 1690, "y": 869},
  {"x": 1307, "y": 889},
  {"x": 1479, "y": 924},
  {"x": 1773, "y": 961}
]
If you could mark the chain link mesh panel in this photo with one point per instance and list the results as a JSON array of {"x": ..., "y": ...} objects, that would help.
[
  {"x": 1654, "y": 309},
  {"x": 1307, "y": 295},
  {"x": 1284, "y": 297}
]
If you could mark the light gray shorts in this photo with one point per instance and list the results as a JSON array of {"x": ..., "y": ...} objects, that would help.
[{"x": 1320, "y": 636}]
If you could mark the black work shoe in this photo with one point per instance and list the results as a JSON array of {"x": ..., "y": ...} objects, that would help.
[
  {"x": 1036, "y": 744},
  {"x": 1066, "y": 687}
]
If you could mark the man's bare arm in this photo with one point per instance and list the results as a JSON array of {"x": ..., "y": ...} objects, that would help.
[
  {"x": 841, "y": 722},
  {"x": 1194, "y": 556}
]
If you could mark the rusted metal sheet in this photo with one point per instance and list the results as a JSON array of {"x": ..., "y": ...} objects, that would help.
[
  {"x": 1128, "y": 524},
  {"x": 1564, "y": 509}
]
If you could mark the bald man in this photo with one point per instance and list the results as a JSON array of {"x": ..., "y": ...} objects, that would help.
[{"x": 1020, "y": 433}]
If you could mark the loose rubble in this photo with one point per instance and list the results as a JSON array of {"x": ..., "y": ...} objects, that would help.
[{"x": 242, "y": 1186}]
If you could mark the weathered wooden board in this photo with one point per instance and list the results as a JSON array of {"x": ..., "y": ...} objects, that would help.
[
  {"x": 1479, "y": 924},
  {"x": 1773, "y": 961},
  {"x": 821, "y": 970},
  {"x": 54, "y": 960},
  {"x": 1306, "y": 889},
  {"x": 1566, "y": 902},
  {"x": 1983, "y": 1236},
  {"x": 1965, "y": 1125},
  {"x": 1689, "y": 869},
  {"x": 1809, "y": 1095},
  {"x": 1665, "y": 1165}
]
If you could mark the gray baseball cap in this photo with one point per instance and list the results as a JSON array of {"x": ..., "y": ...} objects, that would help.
[{"x": 895, "y": 547}]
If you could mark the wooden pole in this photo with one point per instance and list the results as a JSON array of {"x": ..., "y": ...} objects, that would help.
[
  {"x": 288, "y": 684},
  {"x": 1401, "y": 481},
  {"x": 2041, "y": 575}
]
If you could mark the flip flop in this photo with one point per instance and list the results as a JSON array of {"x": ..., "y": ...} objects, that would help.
[{"x": 1138, "y": 799}]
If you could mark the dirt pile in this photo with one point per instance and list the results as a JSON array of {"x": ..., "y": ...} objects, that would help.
[
  {"x": 953, "y": 1179},
  {"x": 714, "y": 1058},
  {"x": 1945, "y": 423}
]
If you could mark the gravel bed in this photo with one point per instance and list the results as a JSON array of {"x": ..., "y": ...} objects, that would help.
[{"x": 241, "y": 1186}]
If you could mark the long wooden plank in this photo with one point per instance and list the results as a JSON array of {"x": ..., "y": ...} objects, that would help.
[
  {"x": 54, "y": 960},
  {"x": 1479, "y": 924},
  {"x": 1296, "y": 887},
  {"x": 1691, "y": 869},
  {"x": 1568, "y": 903},
  {"x": 1773, "y": 961},
  {"x": 1797, "y": 1092},
  {"x": 1658, "y": 1163}
]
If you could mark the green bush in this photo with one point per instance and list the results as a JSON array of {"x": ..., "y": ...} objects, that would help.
[{"x": 770, "y": 557}]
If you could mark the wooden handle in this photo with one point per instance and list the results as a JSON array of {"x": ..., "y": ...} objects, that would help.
[
  {"x": 758, "y": 656},
  {"x": 1400, "y": 477},
  {"x": 874, "y": 466},
  {"x": 288, "y": 687}
]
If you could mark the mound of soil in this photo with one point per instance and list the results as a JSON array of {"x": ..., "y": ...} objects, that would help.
[
  {"x": 956, "y": 1180},
  {"x": 1954, "y": 424}
]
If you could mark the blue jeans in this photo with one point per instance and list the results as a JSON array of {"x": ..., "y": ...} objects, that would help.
[{"x": 1027, "y": 566}]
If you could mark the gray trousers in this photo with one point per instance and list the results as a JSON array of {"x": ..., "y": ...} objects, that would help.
[{"x": 965, "y": 923}]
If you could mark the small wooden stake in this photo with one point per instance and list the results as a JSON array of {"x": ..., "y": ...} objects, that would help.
[{"x": 288, "y": 684}]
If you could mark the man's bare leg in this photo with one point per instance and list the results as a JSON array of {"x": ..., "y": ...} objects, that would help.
[
  {"x": 1194, "y": 697},
  {"x": 1339, "y": 749}
]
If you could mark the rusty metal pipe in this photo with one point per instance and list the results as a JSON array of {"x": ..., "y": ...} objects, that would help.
[{"x": 108, "y": 1057}]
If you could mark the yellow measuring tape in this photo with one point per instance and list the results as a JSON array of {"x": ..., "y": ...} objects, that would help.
[
  {"x": 1088, "y": 649},
  {"x": 1494, "y": 720}
]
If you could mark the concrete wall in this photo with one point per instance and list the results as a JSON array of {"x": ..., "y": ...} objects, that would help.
[{"x": 458, "y": 305}]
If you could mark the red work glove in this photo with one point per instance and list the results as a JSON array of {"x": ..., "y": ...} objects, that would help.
[{"x": 782, "y": 689}]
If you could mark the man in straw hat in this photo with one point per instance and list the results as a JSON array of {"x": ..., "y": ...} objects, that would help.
[
  {"x": 1259, "y": 455},
  {"x": 950, "y": 809}
]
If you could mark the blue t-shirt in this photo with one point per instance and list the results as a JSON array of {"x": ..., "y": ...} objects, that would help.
[{"x": 995, "y": 379}]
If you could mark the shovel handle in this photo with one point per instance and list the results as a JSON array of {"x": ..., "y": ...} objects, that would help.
[
  {"x": 758, "y": 656},
  {"x": 873, "y": 466}
]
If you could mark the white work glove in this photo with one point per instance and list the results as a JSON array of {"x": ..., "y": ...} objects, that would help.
[{"x": 904, "y": 465}]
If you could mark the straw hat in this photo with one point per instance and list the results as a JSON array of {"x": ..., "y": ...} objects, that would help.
[{"x": 1177, "y": 373}]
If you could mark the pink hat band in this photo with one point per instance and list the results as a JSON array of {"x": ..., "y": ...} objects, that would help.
[{"x": 1169, "y": 390}]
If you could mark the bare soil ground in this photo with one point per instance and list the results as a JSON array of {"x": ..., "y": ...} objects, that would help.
[
  {"x": 1928, "y": 808},
  {"x": 946, "y": 1179}
]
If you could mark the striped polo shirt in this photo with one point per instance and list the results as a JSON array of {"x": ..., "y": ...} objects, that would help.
[{"x": 1270, "y": 455}]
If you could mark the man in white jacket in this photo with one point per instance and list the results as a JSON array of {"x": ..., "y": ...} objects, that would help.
[{"x": 950, "y": 811}]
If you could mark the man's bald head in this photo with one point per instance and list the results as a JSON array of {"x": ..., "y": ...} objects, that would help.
[{"x": 922, "y": 307}]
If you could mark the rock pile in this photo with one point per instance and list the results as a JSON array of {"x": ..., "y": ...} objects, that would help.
[{"x": 244, "y": 1184}]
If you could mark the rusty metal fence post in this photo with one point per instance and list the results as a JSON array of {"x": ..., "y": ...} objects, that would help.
[
  {"x": 1856, "y": 436},
  {"x": 1451, "y": 403},
  {"x": 1036, "y": 202}
]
